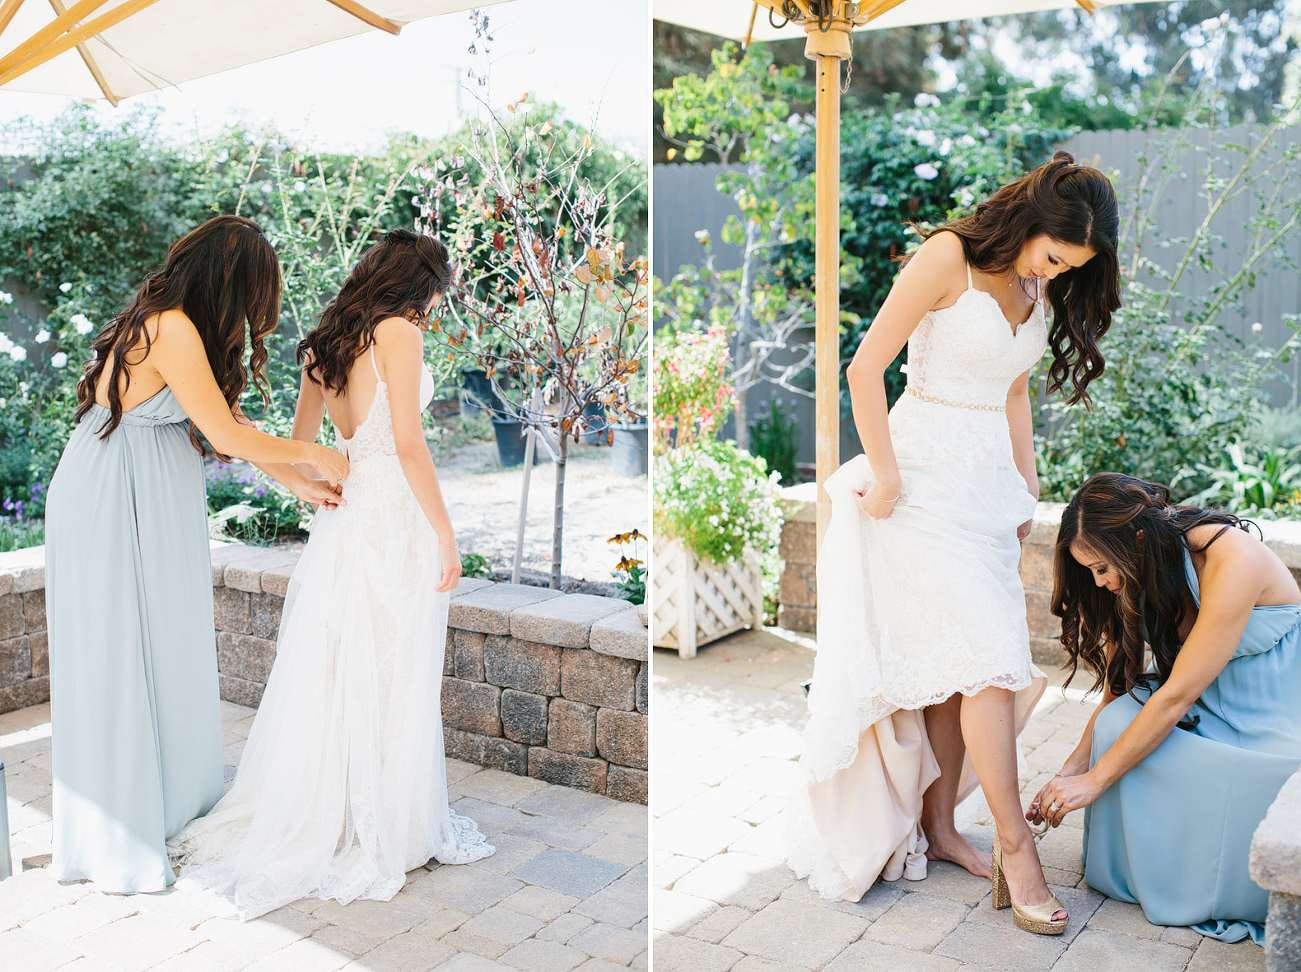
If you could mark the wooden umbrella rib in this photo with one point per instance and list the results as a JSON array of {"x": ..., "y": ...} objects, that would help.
[
  {"x": 91, "y": 66},
  {"x": 74, "y": 37},
  {"x": 878, "y": 7},
  {"x": 76, "y": 13},
  {"x": 7, "y": 12},
  {"x": 367, "y": 15}
]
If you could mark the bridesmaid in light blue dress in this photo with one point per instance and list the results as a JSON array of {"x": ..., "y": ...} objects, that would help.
[
  {"x": 1184, "y": 755},
  {"x": 133, "y": 669}
]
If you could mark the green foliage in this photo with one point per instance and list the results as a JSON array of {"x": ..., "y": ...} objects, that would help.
[
  {"x": 98, "y": 203},
  {"x": 1241, "y": 49},
  {"x": 1171, "y": 398},
  {"x": 629, "y": 573},
  {"x": 1263, "y": 484},
  {"x": 253, "y": 509},
  {"x": 1277, "y": 427},
  {"x": 19, "y": 533},
  {"x": 718, "y": 500},
  {"x": 737, "y": 105},
  {"x": 475, "y": 565},
  {"x": 691, "y": 385},
  {"x": 739, "y": 108},
  {"x": 1179, "y": 391},
  {"x": 776, "y": 438},
  {"x": 100, "y": 209}
]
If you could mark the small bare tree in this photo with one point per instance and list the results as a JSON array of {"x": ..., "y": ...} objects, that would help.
[{"x": 546, "y": 299}]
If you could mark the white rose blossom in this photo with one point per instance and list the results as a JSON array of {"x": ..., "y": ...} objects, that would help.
[
  {"x": 82, "y": 323},
  {"x": 58, "y": 359},
  {"x": 42, "y": 336},
  {"x": 18, "y": 353},
  {"x": 926, "y": 171}
]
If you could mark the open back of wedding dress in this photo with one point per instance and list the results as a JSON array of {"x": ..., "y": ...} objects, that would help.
[
  {"x": 918, "y": 606},
  {"x": 342, "y": 787}
]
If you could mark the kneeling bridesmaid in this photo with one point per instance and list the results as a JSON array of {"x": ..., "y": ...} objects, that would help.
[{"x": 1185, "y": 753}]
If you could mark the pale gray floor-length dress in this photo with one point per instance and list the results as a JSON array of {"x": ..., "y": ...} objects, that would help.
[{"x": 133, "y": 666}]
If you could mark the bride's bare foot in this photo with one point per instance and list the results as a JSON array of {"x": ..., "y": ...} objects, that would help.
[
  {"x": 1025, "y": 876},
  {"x": 949, "y": 845}
]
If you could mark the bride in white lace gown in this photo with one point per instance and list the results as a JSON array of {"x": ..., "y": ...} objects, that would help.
[
  {"x": 922, "y": 637},
  {"x": 342, "y": 787}
]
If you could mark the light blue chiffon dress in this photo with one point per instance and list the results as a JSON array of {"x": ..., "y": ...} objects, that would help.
[
  {"x": 1173, "y": 834},
  {"x": 133, "y": 664}
]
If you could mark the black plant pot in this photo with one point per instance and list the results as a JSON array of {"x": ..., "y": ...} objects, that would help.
[
  {"x": 630, "y": 454},
  {"x": 478, "y": 396},
  {"x": 510, "y": 444},
  {"x": 595, "y": 413}
]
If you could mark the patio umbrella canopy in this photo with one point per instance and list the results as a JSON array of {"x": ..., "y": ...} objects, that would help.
[
  {"x": 828, "y": 26},
  {"x": 113, "y": 49}
]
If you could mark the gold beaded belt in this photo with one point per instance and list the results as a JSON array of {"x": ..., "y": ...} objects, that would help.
[{"x": 944, "y": 401}]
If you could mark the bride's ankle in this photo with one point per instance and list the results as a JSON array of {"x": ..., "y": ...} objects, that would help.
[{"x": 1016, "y": 843}]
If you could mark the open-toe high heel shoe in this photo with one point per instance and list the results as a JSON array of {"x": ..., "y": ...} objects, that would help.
[{"x": 1037, "y": 919}]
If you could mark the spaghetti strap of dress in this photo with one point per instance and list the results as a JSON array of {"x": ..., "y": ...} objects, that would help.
[
  {"x": 374, "y": 367},
  {"x": 969, "y": 283}
]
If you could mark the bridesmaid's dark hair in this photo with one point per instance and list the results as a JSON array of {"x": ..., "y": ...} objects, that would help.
[
  {"x": 1072, "y": 204},
  {"x": 224, "y": 276},
  {"x": 1105, "y": 516},
  {"x": 396, "y": 277}
]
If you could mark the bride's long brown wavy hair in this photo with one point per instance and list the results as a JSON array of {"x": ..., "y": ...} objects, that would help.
[
  {"x": 224, "y": 276},
  {"x": 1072, "y": 204},
  {"x": 1105, "y": 516},
  {"x": 396, "y": 277}
]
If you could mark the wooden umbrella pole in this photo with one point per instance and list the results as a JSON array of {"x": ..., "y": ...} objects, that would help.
[{"x": 827, "y": 48}]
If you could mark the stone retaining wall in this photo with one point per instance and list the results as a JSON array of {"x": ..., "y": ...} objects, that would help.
[
  {"x": 536, "y": 682},
  {"x": 1276, "y": 867},
  {"x": 799, "y": 589},
  {"x": 24, "y": 646}
]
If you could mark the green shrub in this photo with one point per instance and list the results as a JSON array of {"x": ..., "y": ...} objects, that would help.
[
  {"x": 718, "y": 500},
  {"x": 776, "y": 437},
  {"x": 253, "y": 509},
  {"x": 19, "y": 532}
]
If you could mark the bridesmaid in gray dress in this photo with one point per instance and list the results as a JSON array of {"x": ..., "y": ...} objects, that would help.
[{"x": 133, "y": 669}]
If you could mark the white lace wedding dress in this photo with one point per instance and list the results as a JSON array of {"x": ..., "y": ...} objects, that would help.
[
  {"x": 342, "y": 788},
  {"x": 918, "y": 606}
]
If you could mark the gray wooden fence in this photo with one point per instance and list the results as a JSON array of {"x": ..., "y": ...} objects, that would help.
[{"x": 686, "y": 202}]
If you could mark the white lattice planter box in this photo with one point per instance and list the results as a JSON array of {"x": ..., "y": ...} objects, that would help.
[{"x": 697, "y": 602}]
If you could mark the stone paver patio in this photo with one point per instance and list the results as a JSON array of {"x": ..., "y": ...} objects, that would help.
[
  {"x": 566, "y": 890},
  {"x": 726, "y": 740}
]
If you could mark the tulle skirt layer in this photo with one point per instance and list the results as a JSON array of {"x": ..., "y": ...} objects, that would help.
[{"x": 342, "y": 785}]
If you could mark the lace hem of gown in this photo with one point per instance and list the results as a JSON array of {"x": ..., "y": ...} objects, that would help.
[{"x": 211, "y": 868}]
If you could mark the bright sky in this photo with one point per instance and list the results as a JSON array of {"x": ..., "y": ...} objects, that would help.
[{"x": 590, "y": 56}]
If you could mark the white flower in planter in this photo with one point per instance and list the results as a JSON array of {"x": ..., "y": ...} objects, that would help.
[
  {"x": 42, "y": 336},
  {"x": 82, "y": 323},
  {"x": 926, "y": 171},
  {"x": 58, "y": 359},
  {"x": 18, "y": 353}
]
